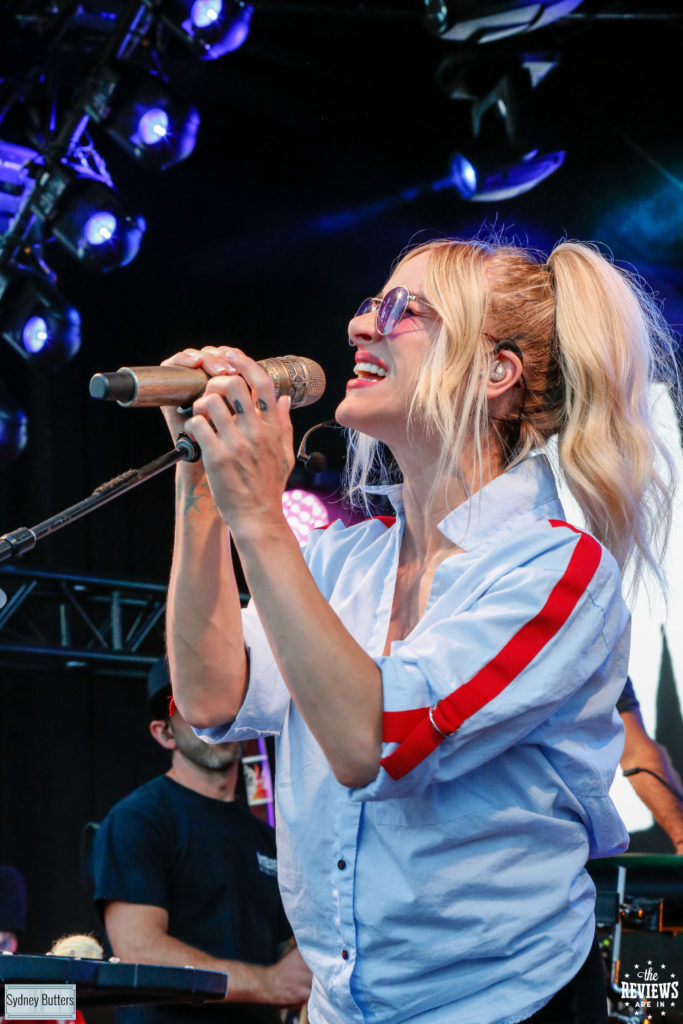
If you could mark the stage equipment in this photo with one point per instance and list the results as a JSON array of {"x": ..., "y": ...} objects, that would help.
[
  {"x": 37, "y": 321},
  {"x": 220, "y": 26},
  {"x": 304, "y": 511},
  {"x": 503, "y": 182},
  {"x": 15, "y": 180},
  {"x": 89, "y": 219},
  {"x": 13, "y": 433},
  {"x": 144, "y": 117},
  {"x": 289, "y": 375},
  {"x": 484, "y": 21},
  {"x": 502, "y": 159},
  {"x": 300, "y": 378},
  {"x": 102, "y": 983},
  {"x": 18, "y": 542}
]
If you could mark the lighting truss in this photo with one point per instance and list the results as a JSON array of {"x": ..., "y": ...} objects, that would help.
[{"x": 58, "y": 620}]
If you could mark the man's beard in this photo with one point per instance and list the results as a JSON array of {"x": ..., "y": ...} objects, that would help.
[{"x": 211, "y": 757}]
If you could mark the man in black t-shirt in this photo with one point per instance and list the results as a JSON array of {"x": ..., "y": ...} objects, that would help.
[{"x": 185, "y": 876}]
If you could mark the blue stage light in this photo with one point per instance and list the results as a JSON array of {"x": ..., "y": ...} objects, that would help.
[
  {"x": 153, "y": 126},
  {"x": 100, "y": 228},
  {"x": 34, "y": 334},
  {"x": 221, "y": 26},
  {"x": 13, "y": 428},
  {"x": 37, "y": 321},
  {"x": 205, "y": 12},
  {"x": 91, "y": 222},
  {"x": 463, "y": 176}
]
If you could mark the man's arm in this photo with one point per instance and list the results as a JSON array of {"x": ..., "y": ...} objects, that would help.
[
  {"x": 139, "y": 934},
  {"x": 640, "y": 751}
]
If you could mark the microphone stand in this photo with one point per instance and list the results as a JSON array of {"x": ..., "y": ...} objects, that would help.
[{"x": 18, "y": 542}]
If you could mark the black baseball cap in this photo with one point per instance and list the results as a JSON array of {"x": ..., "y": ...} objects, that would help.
[{"x": 158, "y": 689}]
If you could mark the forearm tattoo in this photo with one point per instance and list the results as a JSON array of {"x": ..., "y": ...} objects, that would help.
[{"x": 198, "y": 497}]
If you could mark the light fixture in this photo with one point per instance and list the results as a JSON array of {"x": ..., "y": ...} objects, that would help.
[
  {"x": 484, "y": 21},
  {"x": 150, "y": 123},
  {"x": 500, "y": 183},
  {"x": 90, "y": 220},
  {"x": 304, "y": 511},
  {"x": 15, "y": 180},
  {"x": 502, "y": 159},
  {"x": 220, "y": 26},
  {"x": 37, "y": 321},
  {"x": 13, "y": 428}
]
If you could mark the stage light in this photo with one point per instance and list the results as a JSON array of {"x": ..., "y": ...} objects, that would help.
[
  {"x": 500, "y": 183},
  {"x": 13, "y": 429},
  {"x": 37, "y": 321},
  {"x": 463, "y": 176},
  {"x": 91, "y": 222},
  {"x": 15, "y": 180},
  {"x": 484, "y": 21},
  {"x": 304, "y": 511},
  {"x": 153, "y": 125},
  {"x": 221, "y": 26}
]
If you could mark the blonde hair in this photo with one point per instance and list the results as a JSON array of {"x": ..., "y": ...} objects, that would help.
[{"x": 591, "y": 338}]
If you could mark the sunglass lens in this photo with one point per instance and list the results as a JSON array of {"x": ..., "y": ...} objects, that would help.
[
  {"x": 365, "y": 307},
  {"x": 391, "y": 309}
]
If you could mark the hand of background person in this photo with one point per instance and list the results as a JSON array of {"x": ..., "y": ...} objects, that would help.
[{"x": 288, "y": 981}]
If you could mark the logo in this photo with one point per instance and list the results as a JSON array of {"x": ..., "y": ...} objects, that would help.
[
  {"x": 268, "y": 865},
  {"x": 650, "y": 987}
]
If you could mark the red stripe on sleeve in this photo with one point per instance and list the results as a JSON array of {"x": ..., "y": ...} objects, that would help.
[
  {"x": 491, "y": 680},
  {"x": 397, "y": 724}
]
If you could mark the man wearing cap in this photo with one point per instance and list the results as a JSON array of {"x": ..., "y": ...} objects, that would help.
[{"x": 183, "y": 875}]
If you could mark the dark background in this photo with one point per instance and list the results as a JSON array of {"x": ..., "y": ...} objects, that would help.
[{"x": 289, "y": 212}]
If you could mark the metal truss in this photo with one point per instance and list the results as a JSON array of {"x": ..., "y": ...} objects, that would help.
[{"x": 58, "y": 620}]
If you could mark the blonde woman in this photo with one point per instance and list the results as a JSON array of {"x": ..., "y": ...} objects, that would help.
[{"x": 441, "y": 685}]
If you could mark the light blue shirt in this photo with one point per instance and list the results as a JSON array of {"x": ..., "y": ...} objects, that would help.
[{"x": 453, "y": 888}]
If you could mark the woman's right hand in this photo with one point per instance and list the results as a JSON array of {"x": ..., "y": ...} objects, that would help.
[{"x": 211, "y": 359}]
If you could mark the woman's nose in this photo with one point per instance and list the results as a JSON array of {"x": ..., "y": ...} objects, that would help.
[{"x": 363, "y": 329}]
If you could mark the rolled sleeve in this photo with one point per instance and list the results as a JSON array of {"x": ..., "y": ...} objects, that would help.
[{"x": 267, "y": 698}]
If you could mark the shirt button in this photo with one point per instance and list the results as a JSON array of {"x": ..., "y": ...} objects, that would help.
[
  {"x": 345, "y": 954},
  {"x": 341, "y": 864}
]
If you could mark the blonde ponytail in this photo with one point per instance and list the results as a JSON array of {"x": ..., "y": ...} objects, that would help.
[{"x": 612, "y": 342}]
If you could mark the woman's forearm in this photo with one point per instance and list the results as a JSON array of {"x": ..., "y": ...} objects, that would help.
[{"x": 206, "y": 652}]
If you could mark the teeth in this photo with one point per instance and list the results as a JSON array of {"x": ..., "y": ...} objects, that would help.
[{"x": 372, "y": 368}]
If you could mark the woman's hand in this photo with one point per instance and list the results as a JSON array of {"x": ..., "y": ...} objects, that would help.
[
  {"x": 211, "y": 359},
  {"x": 245, "y": 436}
]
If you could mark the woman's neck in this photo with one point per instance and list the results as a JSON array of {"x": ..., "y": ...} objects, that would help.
[{"x": 426, "y": 502}]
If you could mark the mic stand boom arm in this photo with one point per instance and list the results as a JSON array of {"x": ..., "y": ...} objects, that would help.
[{"x": 18, "y": 542}]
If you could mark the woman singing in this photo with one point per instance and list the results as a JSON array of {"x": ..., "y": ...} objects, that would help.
[{"x": 441, "y": 685}]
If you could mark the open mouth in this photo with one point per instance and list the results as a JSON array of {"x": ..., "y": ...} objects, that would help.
[{"x": 369, "y": 371}]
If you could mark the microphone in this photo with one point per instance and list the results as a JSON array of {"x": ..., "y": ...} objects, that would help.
[{"x": 300, "y": 378}]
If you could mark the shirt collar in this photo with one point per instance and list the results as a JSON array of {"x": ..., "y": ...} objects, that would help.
[{"x": 527, "y": 491}]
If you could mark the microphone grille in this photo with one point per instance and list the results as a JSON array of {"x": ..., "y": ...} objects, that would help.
[{"x": 301, "y": 378}]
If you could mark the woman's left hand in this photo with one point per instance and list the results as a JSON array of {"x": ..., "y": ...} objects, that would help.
[{"x": 245, "y": 436}]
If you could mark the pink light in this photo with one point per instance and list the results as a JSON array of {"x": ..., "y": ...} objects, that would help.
[{"x": 304, "y": 512}]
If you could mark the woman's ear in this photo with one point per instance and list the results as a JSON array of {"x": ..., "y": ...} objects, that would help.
[{"x": 506, "y": 371}]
